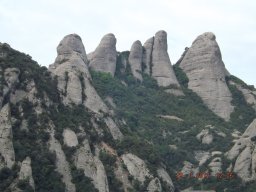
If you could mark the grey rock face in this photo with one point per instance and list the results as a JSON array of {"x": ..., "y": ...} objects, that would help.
[
  {"x": 206, "y": 72},
  {"x": 135, "y": 59},
  {"x": 215, "y": 166},
  {"x": 61, "y": 163},
  {"x": 11, "y": 76},
  {"x": 103, "y": 58},
  {"x": 92, "y": 166},
  {"x": 147, "y": 55},
  {"x": 136, "y": 167},
  {"x": 26, "y": 172},
  {"x": 161, "y": 65},
  {"x": 244, "y": 153},
  {"x": 205, "y": 136},
  {"x": 154, "y": 185},
  {"x": 166, "y": 178},
  {"x": 6, "y": 150},
  {"x": 70, "y": 138},
  {"x": 74, "y": 79},
  {"x": 249, "y": 95}
]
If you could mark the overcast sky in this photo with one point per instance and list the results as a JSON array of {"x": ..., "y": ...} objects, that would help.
[{"x": 36, "y": 26}]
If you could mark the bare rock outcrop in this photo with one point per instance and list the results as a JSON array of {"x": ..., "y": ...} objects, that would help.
[
  {"x": 136, "y": 167},
  {"x": 166, "y": 178},
  {"x": 161, "y": 65},
  {"x": 92, "y": 166},
  {"x": 74, "y": 79},
  {"x": 61, "y": 163},
  {"x": 70, "y": 138},
  {"x": 244, "y": 154},
  {"x": 206, "y": 72},
  {"x": 154, "y": 185},
  {"x": 26, "y": 172},
  {"x": 205, "y": 136},
  {"x": 6, "y": 150},
  {"x": 147, "y": 55},
  {"x": 135, "y": 59},
  {"x": 103, "y": 59}
]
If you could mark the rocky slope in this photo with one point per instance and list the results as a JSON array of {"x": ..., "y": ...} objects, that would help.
[{"x": 125, "y": 121}]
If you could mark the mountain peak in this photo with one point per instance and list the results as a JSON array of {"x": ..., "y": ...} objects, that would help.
[{"x": 206, "y": 72}]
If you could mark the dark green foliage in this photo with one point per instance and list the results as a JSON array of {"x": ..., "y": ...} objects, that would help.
[
  {"x": 82, "y": 183},
  {"x": 7, "y": 176},
  {"x": 109, "y": 165},
  {"x": 24, "y": 185},
  {"x": 243, "y": 112},
  {"x": 181, "y": 76},
  {"x": 240, "y": 82},
  {"x": 30, "y": 70}
]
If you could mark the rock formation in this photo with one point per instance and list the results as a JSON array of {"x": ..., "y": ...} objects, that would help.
[
  {"x": 161, "y": 65},
  {"x": 74, "y": 79},
  {"x": 244, "y": 152},
  {"x": 147, "y": 55},
  {"x": 6, "y": 149},
  {"x": 92, "y": 166},
  {"x": 166, "y": 178},
  {"x": 26, "y": 172},
  {"x": 206, "y": 73},
  {"x": 136, "y": 167},
  {"x": 61, "y": 163},
  {"x": 103, "y": 59},
  {"x": 135, "y": 59},
  {"x": 70, "y": 138}
]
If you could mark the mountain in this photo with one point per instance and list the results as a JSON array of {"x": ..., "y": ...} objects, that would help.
[{"x": 130, "y": 121}]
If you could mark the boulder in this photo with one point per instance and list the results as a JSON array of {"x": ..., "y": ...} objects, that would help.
[
  {"x": 135, "y": 59},
  {"x": 6, "y": 150},
  {"x": 103, "y": 59},
  {"x": 162, "y": 69},
  {"x": 205, "y": 136},
  {"x": 70, "y": 138},
  {"x": 206, "y": 72}
]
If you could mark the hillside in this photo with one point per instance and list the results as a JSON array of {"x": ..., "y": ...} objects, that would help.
[{"x": 128, "y": 121}]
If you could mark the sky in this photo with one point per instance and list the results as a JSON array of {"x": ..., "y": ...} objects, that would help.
[{"x": 36, "y": 27}]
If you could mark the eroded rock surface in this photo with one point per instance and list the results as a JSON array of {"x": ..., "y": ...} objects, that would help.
[
  {"x": 103, "y": 59},
  {"x": 166, "y": 178},
  {"x": 206, "y": 72},
  {"x": 135, "y": 59},
  {"x": 70, "y": 138},
  {"x": 61, "y": 163},
  {"x": 161, "y": 65},
  {"x": 92, "y": 166},
  {"x": 136, "y": 167},
  {"x": 147, "y": 55},
  {"x": 244, "y": 153},
  {"x": 6, "y": 150},
  {"x": 74, "y": 79}
]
